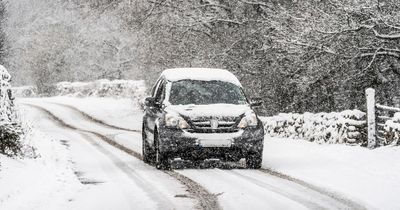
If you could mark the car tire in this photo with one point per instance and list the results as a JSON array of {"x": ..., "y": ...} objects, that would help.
[
  {"x": 254, "y": 161},
  {"x": 161, "y": 158},
  {"x": 146, "y": 150}
]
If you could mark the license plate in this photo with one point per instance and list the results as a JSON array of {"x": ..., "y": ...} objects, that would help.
[{"x": 215, "y": 142}]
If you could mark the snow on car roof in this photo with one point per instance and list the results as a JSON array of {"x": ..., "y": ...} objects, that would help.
[{"x": 206, "y": 74}]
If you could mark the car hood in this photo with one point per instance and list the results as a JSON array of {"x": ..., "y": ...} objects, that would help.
[{"x": 212, "y": 110}]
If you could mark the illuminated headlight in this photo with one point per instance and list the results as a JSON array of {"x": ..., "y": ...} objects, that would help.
[
  {"x": 249, "y": 120},
  {"x": 175, "y": 121}
]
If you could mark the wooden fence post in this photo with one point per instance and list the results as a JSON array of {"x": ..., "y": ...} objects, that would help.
[{"x": 370, "y": 93}]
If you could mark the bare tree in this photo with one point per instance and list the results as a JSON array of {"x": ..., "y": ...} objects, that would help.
[{"x": 298, "y": 55}]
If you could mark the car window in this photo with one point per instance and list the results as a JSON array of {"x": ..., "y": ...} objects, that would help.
[
  {"x": 160, "y": 94},
  {"x": 205, "y": 92},
  {"x": 153, "y": 90}
]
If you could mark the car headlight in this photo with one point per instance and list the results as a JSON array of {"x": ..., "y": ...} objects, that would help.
[
  {"x": 249, "y": 120},
  {"x": 175, "y": 121}
]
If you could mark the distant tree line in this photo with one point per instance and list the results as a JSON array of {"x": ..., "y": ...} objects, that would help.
[{"x": 312, "y": 55}]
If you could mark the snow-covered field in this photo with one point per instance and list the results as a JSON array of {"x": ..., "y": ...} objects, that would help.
[{"x": 371, "y": 178}]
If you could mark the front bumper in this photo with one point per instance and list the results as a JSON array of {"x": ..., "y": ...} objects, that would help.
[{"x": 186, "y": 145}]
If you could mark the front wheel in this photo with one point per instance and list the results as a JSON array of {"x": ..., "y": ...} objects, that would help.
[
  {"x": 147, "y": 154},
  {"x": 254, "y": 161},
  {"x": 146, "y": 150},
  {"x": 161, "y": 159}
]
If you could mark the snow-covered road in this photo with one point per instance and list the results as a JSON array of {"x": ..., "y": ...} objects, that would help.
[
  {"x": 114, "y": 179},
  {"x": 107, "y": 161}
]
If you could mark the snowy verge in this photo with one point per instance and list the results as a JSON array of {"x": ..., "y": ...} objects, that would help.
[
  {"x": 46, "y": 181},
  {"x": 347, "y": 127},
  {"x": 370, "y": 177}
]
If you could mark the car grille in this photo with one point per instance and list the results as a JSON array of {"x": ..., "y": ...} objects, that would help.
[{"x": 204, "y": 125}]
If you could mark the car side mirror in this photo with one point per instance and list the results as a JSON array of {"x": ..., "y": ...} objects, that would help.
[
  {"x": 255, "y": 102},
  {"x": 151, "y": 102}
]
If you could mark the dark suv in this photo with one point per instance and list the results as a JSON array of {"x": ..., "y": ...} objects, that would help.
[{"x": 197, "y": 114}]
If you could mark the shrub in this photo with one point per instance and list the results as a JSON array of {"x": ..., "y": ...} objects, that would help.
[
  {"x": 10, "y": 134},
  {"x": 347, "y": 127}
]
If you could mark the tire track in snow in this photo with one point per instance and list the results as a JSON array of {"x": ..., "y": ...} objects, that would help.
[
  {"x": 348, "y": 203},
  {"x": 306, "y": 202},
  {"x": 296, "y": 193},
  {"x": 150, "y": 190},
  {"x": 94, "y": 119},
  {"x": 162, "y": 202},
  {"x": 205, "y": 199}
]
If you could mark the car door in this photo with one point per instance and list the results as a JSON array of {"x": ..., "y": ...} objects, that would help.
[{"x": 155, "y": 112}]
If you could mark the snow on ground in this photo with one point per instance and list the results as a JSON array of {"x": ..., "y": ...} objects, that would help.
[
  {"x": 45, "y": 182},
  {"x": 79, "y": 171},
  {"x": 122, "y": 112},
  {"x": 371, "y": 177},
  {"x": 226, "y": 185},
  {"x": 287, "y": 195}
]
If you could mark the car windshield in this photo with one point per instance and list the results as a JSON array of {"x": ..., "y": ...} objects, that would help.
[{"x": 205, "y": 92}]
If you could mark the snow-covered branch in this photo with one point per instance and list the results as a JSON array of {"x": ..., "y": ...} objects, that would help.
[
  {"x": 256, "y": 3},
  {"x": 215, "y": 5},
  {"x": 372, "y": 60},
  {"x": 345, "y": 30},
  {"x": 392, "y": 54},
  {"x": 394, "y": 36}
]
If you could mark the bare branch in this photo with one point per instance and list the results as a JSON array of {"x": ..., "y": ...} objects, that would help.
[
  {"x": 322, "y": 48},
  {"x": 256, "y": 3},
  {"x": 372, "y": 60},
  {"x": 384, "y": 49},
  {"x": 386, "y": 36},
  {"x": 389, "y": 25},
  {"x": 226, "y": 21},
  {"x": 345, "y": 30},
  {"x": 392, "y": 54},
  {"x": 215, "y": 5}
]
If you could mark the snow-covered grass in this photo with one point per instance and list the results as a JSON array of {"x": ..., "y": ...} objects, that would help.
[
  {"x": 336, "y": 127},
  {"x": 369, "y": 176}
]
